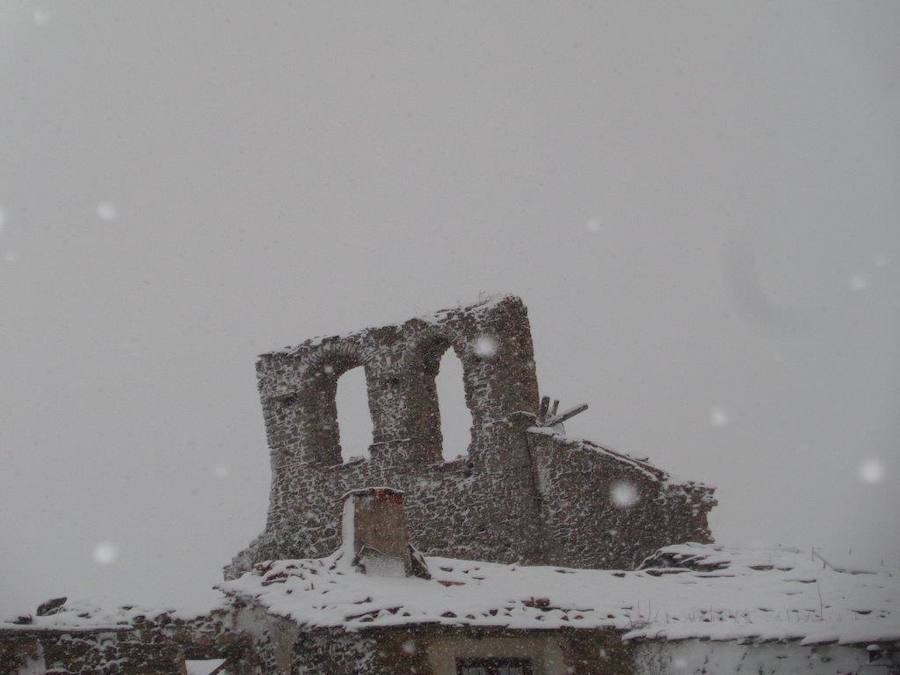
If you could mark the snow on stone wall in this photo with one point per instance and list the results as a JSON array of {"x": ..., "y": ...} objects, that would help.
[
  {"x": 701, "y": 657},
  {"x": 488, "y": 506},
  {"x": 605, "y": 510}
]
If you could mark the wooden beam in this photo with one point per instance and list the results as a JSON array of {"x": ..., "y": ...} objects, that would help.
[
  {"x": 545, "y": 405},
  {"x": 565, "y": 415}
]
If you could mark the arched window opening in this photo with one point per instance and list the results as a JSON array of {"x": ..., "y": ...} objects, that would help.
[
  {"x": 456, "y": 419},
  {"x": 354, "y": 421}
]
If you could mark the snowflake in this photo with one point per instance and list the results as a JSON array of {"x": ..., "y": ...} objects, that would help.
[
  {"x": 624, "y": 495},
  {"x": 871, "y": 471},
  {"x": 718, "y": 417},
  {"x": 486, "y": 346},
  {"x": 105, "y": 553},
  {"x": 859, "y": 282},
  {"x": 41, "y": 16},
  {"x": 107, "y": 211}
]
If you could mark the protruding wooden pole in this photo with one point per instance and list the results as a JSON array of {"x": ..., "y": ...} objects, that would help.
[
  {"x": 545, "y": 405},
  {"x": 565, "y": 415}
]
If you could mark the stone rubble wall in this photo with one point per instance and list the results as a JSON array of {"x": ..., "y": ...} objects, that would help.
[
  {"x": 700, "y": 657},
  {"x": 101, "y": 652},
  {"x": 143, "y": 646},
  {"x": 454, "y": 508},
  {"x": 433, "y": 649},
  {"x": 601, "y": 511},
  {"x": 488, "y": 506}
]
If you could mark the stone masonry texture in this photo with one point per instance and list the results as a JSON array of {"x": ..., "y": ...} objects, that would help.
[
  {"x": 523, "y": 494},
  {"x": 146, "y": 645}
]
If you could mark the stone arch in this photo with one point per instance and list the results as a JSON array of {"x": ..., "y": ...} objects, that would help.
[
  {"x": 298, "y": 386},
  {"x": 422, "y": 362},
  {"x": 456, "y": 420},
  {"x": 354, "y": 417},
  {"x": 318, "y": 398},
  {"x": 400, "y": 361},
  {"x": 424, "y": 416}
]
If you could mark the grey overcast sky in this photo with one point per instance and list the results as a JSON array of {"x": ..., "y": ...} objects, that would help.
[{"x": 697, "y": 201}]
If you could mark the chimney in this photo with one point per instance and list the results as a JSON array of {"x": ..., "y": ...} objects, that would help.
[{"x": 375, "y": 536}]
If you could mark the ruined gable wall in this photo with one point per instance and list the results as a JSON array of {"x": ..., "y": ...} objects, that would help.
[
  {"x": 603, "y": 510},
  {"x": 481, "y": 507},
  {"x": 519, "y": 496}
]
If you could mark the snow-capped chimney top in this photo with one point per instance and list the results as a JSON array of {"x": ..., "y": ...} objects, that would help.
[{"x": 375, "y": 535}]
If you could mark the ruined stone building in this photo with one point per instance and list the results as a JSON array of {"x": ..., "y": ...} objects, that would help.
[
  {"x": 524, "y": 493},
  {"x": 535, "y": 554}
]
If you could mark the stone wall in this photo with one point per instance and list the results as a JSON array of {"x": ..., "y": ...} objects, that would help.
[
  {"x": 701, "y": 657},
  {"x": 253, "y": 642},
  {"x": 487, "y": 506},
  {"x": 105, "y": 652},
  {"x": 602, "y": 509},
  {"x": 144, "y": 645},
  {"x": 433, "y": 650}
]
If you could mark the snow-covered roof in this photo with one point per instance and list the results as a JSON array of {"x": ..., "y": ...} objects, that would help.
[
  {"x": 689, "y": 591},
  {"x": 684, "y": 591},
  {"x": 83, "y": 615}
]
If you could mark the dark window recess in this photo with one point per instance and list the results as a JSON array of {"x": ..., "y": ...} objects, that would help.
[{"x": 493, "y": 667}]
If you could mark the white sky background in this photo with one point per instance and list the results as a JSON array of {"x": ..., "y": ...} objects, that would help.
[{"x": 699, "y": 207}]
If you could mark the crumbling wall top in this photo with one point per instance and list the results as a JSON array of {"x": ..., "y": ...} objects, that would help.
[
  {"x": 477, "y": 310},
  {"x": 492, "y": 339}
]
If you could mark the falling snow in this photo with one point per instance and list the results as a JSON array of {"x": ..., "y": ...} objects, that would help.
[
  {"x": 624, "y": 495},
  {"x": 105, "y": 553},
  {"x": 486, "y": 346},
  {"x": 41, "y": 16},
  {"x": 871, "y": 471},
  {"x": 786, "y": 388},
  {"x": 859, "y": 282},
  {"x": 718, "y": 417},
  {"x": 107, "y": 211}
]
